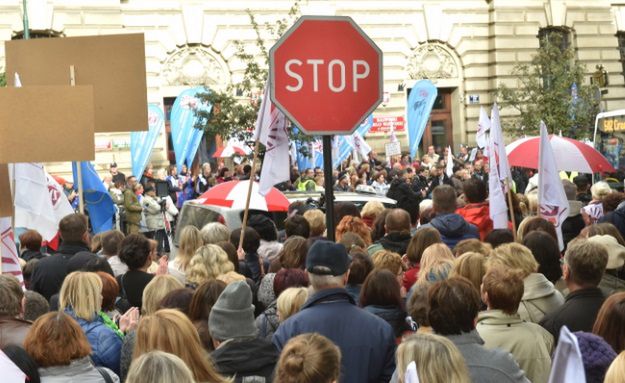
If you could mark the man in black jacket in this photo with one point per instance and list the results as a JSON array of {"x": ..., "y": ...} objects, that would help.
[
  {"x": 583, "y": 268},
  {"x": 397, "y": 228},
  {"x": 73, "y": 253}
]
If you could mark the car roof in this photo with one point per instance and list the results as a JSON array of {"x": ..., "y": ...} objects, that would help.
[{"x": 340, "y": 197}]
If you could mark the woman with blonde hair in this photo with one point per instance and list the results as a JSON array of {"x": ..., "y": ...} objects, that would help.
[
  {"x": 356, "y": 225},
  {"x": 422, "y": 239},
  {"x": 472, "y": 266},
  {"x": 215, "y": 232},
  {"x": 436, "y": 358},
  {"x": 371, "y": 211},
  {"x": 171, "y": 331},
  {"x": 81, "y": 298},
  {"x": 616, "y": 372},
  {"x": 594, "y": 210},
  {"x": 156, "y": 290},
  {"x": 159, "y": 367},
  {"x": 59, "y": 346},
  {"x": 309, "y": 358},
  {"x": 539, "y": 295},
  {"x": 290, "y": 302},
  {"x": 436, "y": 262},
  {"x": 190, "y": 241},
  {"x": 209, "y": 262}
]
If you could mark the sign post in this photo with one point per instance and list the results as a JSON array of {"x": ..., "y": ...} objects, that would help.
[{"x": 326, "y": 77}]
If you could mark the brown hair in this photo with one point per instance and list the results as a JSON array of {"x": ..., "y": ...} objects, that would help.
[
  {"x": 204, "y": 298},
  {"x": 387, "y": 260},
  {"x": 454, "y": 304},
  {"x": 11, "y": 295},
  {"x": 72, "y": 227},
  {"x": 610, "y": 319},
  {"x": 55, "y": 339},
  {"x": 397, "y": 220},
  {"x": 422, "y": 239},
  {"x": 171, "y": 331},
  {"x": 309, "y": 358},
  {"x": 293, "y": 253},
  {"x": 31, "y": 240},
  {"x": 516, "y": 256},
  {"x": 472, "y": 245},
  {"x": 504, "y": 289},
  {"x": 356, "y": 225},
  {"x": 359, "y": 268},
  {"x": 444, "y": 199},
  {"x": 380, "y": 288},
  {"x": 112, "y": 242},
  {"x": 530, "y": 224},
  {"x": 110, "y": 290},
  {"x": 470, "y": 265},
  {"x": 586, "y": 262}
]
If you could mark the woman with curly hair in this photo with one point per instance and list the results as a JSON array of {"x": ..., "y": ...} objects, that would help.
[{"x": 354, "y": 225}]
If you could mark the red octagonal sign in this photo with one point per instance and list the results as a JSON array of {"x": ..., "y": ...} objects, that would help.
[{"x": 326, "y": 74}]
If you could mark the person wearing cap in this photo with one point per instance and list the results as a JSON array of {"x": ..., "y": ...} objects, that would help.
[
  {"x": 239, "y": 352},
  {"x": 342, "y": 183},
  {"x": 367, "y": 342},
  {"x": 118, "y": 177},
  {"x": 610, "y": 282}
]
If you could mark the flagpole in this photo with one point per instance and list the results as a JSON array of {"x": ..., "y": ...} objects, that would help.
[
  {"x": 25, "y": 21},
  {"x": 249, "y": 192},
  {"x": 81, "y": 201}
]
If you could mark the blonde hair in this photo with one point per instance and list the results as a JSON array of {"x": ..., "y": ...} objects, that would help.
[
  {"x": 470, "y": 265},
  {"x": 309, "y": 358},
  {"x": 215, "y": 232},
  {"x": 230, "y": 277},
  {"x": 437, "y": 358},
  {"x": 317, "y": 221},
  {"x": 159, "y": 366},
  {"x": 372, "y": 209},
  {"x": 387, "y": 260},
  {"x": 599, "y": 190},
  {"x": 209, "y": 262},
  {"x": 291, "y": 301},
  {"x": 190, "y": 241},
  {"x": 514, "y": 256},
  {"x": 436, "y": 263},
  {"x": 616, "y": 372},
  {"x": 156, "y": 290},
  {"x": 82, "y": 292},
  {"x": 169, "y": 330}
]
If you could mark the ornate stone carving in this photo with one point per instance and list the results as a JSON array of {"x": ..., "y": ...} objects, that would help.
[
  {"x": 194, "y": 65},
  {"x": 431, "y": 60}
]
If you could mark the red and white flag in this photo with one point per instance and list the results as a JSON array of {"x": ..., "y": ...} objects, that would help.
[
  {"x": 10, "y": 259},
  {"x": 483, "y": 126},
  {"x": 500, "y": 155},
  {"x": 40, "y": 202},
  {"x": 552, "y": 202},
  {"x": 271, "y": 131},
  {"x": 498, "y": 210}
]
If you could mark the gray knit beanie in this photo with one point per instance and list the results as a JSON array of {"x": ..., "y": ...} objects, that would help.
[{"x": 232, "y": 316}]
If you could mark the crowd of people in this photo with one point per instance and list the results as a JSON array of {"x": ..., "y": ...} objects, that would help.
[{"x": 426, "y": 289}]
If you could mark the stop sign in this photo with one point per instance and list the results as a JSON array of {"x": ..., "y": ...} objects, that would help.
[{"x": 326, "y": 74}]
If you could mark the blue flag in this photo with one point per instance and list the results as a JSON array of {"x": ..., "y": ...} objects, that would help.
[
  {"x": 142, "y": 143},
  {"x": 344, "y": 144},
  {"x": 420, "y": 102},
  {"x": 315, "y": 148},
  {"x": 98, "y": 201},
  {"x": 185, "y": 138}
]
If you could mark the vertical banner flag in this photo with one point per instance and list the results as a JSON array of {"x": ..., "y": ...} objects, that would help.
[
  {"x": 142, "y": 142},
  {"x": 271, "y": 131},
  {"x": 185, "y": 138},
  {"x": 39, "y": 200},
  {"x": 346, "y": 144},
  {"x": 498, "y": 210},
  {"x": 552, "y": 202},
  {"x": 449, "y": 166},
  {"x": 483, "y": 126},
  {"x": 98, "y": 201},
  {"x": 503, "y": 168},
  {"x": 315, "y": 148},
  {"x": 8, "y": 251},
  {"x": 420, "y": 103}
]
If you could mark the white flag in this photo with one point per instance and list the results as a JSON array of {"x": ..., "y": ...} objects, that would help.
[
  {"x": 552, "y": 202},
  {"x": 10, "y": 372},
  {"x": 10, "y": 260},
  {"x": 483, "y": 126},
  {"x": 449, "y": 167},
  {"x": 500, "y": 149},
  {"x": 361, "y": 145},
  {"x": 498, "y": 210},
  {"x": 39, "y": 200},
  {"x": 568, "y": 365},
  {"x": 271, "y": 131}
]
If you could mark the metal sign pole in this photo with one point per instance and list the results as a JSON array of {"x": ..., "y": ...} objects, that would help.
[{"x": 328, "y": 185}]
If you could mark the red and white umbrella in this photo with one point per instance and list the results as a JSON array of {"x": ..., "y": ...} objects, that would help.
[
  {"x": 234, "y": 193},
  {"x": 571, "y": 155},
  {"x": 230, "y": 150}
]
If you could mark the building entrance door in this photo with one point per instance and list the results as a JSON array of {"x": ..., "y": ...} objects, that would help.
[{"x": 439, "y": 130}]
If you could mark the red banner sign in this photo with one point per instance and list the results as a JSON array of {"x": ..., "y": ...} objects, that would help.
[{"x": 383, "y": 124}]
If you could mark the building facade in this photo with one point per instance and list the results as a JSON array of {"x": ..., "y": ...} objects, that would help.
[{"x": 466, "y": 47}]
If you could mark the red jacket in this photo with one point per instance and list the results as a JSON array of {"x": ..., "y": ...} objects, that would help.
[
  {"x": 410, "y": 277},
  {"x": 479, "y": 215}
]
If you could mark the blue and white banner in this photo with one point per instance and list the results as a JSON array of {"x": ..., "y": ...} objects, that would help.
[
  {"x": 185, "y": 138},
  {"x": 142, "y": 143},
  {"x": 98, "y": 201},
  {"x": 344, "y": 145},
  {"x": 420, "y": 102},
  {"x": 315, "y": 160}
]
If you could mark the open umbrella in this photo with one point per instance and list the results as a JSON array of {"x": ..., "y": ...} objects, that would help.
[
  {"x": 234, "y": 193},
  {"x": 571, "y": 155},
  {"x": 230, "y": 150}
]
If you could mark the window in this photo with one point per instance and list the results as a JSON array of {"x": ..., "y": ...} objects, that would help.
[
  {"x": 557, "y": 35},
  {"x": 620, "y": 35}
]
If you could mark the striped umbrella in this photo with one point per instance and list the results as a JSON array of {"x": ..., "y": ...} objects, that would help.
[{"x": 234, "y": 193}]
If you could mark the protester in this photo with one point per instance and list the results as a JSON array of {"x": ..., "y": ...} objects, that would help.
[
  {"x": 179, "y": 299},
  {"x": 435, "y": 358},
  {"x": 397, "y": 233},
  {"x": 596, "y": 354},
  {"x": 367, "y": 342},
  {"x": 593, "y": 211},
  {"x": 533, "y": 223},
  {"x": 584, "y": 265},
  {"x": 159, "y": 367},
  {"x": 454, "y": 304},
  {"x": 502, "y": 327},
  {"x": 135, "y": 253},
  {"x": 209, "y": 262},
  {"x": 420, "y": 241},
  {"x": 23, "y": 361},
  {"x": 309, "y": 358},
  {"x": 370, "y": 212},
  {"x": 239, "y": 353},
  {"x": 499, "y": 237},
  {"x": 35, "y": 305},
  {"x": 156, "y": 290},
  {"x": 574, "y": 222},
  {"x": 132, "y": 207},
  {"x": 381, "y": 296},
  {"x": 266, "y": 229},
  {"x": 610, "y": 282},
  {"x": 452, "y": 227},
  {"x": 545, "y": 250},
  {"x": 202, "y": 302},
  {"x": 540, "y": 296},
  {"x": 61, "y": 349},
  {"x": 609, "y": 322},
  {"x": 251, "y": 243},
  {"x": 476, "y": 211},
  {"x": 297, "y": 225},
  {"x": 13, "y": 328},
  {"x": 110, "y": 293},
  {"x": 30, "y": 245},
  {"x": 190, "y": 241},
  {"x": 214, "y": 232},
  {"x": 351, "y": 224},
  {"x": 317, "y": 222},
  {"x": 289, "y": 302},
  {"x": 111, "y": 243},
  {"x": 616, "y": 372},
  {"x": 359, "y": 269},
  {"x": 470, "y": 265}
]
